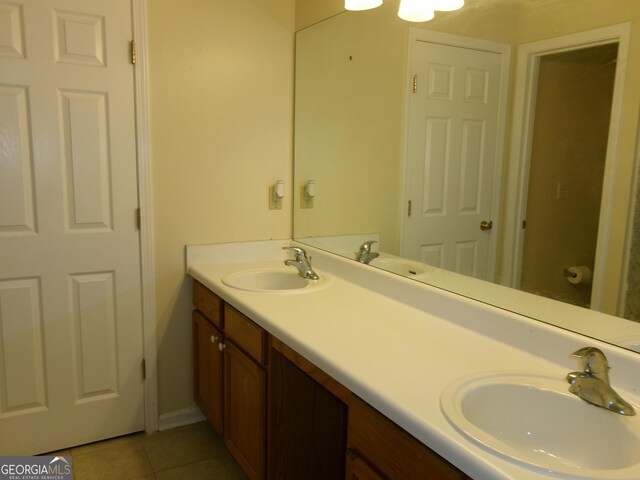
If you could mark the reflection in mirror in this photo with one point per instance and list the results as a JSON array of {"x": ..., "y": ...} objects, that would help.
[
  {"x": 521, "y": 170},
  {"x": 574, "y": 96}
]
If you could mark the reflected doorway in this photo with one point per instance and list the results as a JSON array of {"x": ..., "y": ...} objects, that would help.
[
  {"x": 575, "y": 60},
  {"x": 568, "y": 155}
]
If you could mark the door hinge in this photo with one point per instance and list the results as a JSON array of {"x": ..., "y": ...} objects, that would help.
[
  {"x": 132, "y": 44},
  {"x": 409, "y": 209},
  {"x": 415, "y": 84},
  {"x": 139, "y": 218},
  {"x": 144, "y": 369},
  {"x": 524, "y": 224}
]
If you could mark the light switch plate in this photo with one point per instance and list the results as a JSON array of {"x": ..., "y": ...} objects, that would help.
[
  {"x": 562, "y": 191},
  {"x": 274, "y": 203},
  {"x": 305, "y": 201}
]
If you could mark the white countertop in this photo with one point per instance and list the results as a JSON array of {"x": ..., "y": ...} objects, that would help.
[{"x": 397, "y": 344}]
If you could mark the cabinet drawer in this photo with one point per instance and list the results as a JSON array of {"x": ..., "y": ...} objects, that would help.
[
  {"x": 208, "y": 303},
  {"x": 244, "y": 333}
]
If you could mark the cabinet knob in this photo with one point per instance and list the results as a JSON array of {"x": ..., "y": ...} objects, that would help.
[
  {"x": 221, "y": 346},
  {"x": 213, "y": 339}
]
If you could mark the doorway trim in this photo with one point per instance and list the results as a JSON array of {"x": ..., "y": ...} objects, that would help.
[
  {"x": 147, "y": 268},
  {"x": 471, "y": 43},
  {"x": 529, "y": 55}
]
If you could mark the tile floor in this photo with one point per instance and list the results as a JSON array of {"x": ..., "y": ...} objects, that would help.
[{"x": 194, "y": 452}]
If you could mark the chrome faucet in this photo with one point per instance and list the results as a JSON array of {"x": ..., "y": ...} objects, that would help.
[
  {"x": 592, "y": 383},
  {"x": 302, "y": 262},
  {"x": 365, "y": 255}
]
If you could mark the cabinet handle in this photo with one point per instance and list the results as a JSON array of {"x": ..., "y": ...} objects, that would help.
[
  {"x": 221, "y": 346},
  {"x": 213, "y": 339}
]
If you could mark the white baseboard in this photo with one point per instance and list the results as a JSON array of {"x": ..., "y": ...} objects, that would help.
[{"x": 180, "y": 418}]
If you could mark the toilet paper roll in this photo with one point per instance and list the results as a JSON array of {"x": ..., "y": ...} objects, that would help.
[{"x": 579, "y": 274}]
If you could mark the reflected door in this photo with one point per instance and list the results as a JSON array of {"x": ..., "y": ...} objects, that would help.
[
  {"x": 452, "y": 149},
  {"x": 70, "y": 306}
]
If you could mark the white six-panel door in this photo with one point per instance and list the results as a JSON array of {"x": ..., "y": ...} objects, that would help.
[
  {"x": 453, "y": 146},
  {"x": 70, "y": 304}
]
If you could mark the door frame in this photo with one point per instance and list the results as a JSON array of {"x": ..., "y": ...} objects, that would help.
[
  {"x": 634, "y": 204},
  {"x": 147, "y": 267},
  {"x": 529, "y": 55},
  {"x": 419, "y": 34}
]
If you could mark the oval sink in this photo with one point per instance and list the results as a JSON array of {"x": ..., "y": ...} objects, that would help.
[
  {"x": 273, "y": 280},
  {"x": 534, "y": 420},
  {"x": 399, "y": 266}
]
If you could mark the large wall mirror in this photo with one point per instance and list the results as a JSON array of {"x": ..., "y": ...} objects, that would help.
[{"x": 491, "y": 151}]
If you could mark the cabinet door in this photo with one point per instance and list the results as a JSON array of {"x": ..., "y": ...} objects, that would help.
[
  {"x": 245, "y": 411},
  {"x": 307, "y": 426},
  {"x": 207, "y": 340}
]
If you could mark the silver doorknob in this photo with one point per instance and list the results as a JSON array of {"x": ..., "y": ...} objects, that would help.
[{"x": 484, "y": 225}]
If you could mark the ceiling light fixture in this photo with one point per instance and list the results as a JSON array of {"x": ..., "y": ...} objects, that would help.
[
  {"x": 358, "y": 5},
  {"x": 416, "y": 10},
  {"x": 446, "y": 5}
]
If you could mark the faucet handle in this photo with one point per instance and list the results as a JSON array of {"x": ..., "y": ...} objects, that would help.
[
  {"x": 366, "y": 246},
  {"x": 593, "y": 361},
  {"x": 299, "y": 253}
]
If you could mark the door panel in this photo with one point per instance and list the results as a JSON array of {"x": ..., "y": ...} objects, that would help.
[
  {"x": 17, "y": 215},
  {"x": 70, "y": 305},
  {"x": 94, "y": 326},
  {"x": 22, "y": 377},
  {"x": 87, "y": 163}
]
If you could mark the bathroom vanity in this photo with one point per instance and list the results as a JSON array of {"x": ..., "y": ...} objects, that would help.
[
  {"x": 317, "y": 428},
  {"x": 346, "y": 377}
]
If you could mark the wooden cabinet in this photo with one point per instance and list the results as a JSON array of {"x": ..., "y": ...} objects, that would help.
[
  {"x": 245, "y": 385},
  {"x": 316, "y": 428},
  {"x": 376, "y": 448},
  {"x": 207, "y": 342},
  {"x": 379, "y": 445},
  {"x": 359, "y": 469},
  {"x": 208, "y": 303},
  {"x": 230, "y": 383}
]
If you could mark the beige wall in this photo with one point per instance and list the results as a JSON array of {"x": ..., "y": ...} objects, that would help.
[
  {"x": 221, "y": 85},
  {"x": 355, "y": 156},
  {"x": 309, "y": 12}
]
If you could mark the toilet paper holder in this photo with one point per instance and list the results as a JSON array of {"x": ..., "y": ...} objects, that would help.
[{"x": 578, "y": 274}]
